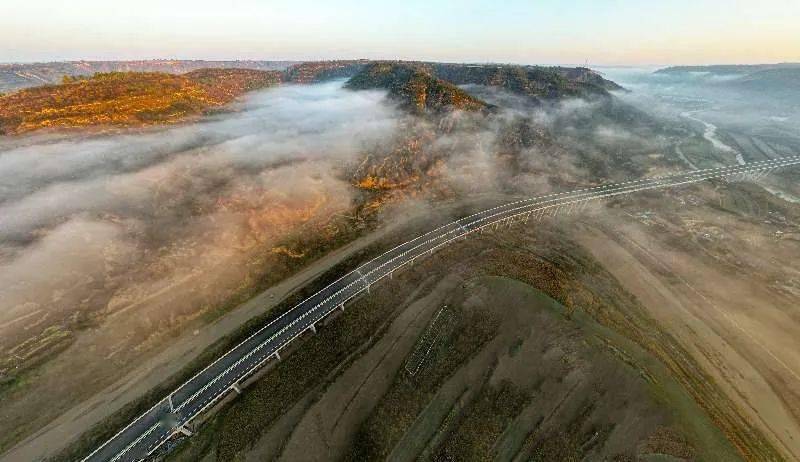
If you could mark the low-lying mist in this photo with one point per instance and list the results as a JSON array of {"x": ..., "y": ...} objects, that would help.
[
  {"x": 136, "y": 235},
  {"x": 164, "y": 223},
  {"x": 722, "y": 99}
]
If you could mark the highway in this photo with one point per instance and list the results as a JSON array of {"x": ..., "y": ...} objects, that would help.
[{"x": 169, "y": 416}]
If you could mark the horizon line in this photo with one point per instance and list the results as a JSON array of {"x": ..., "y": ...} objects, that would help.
[{"x": 297, "y": 61}]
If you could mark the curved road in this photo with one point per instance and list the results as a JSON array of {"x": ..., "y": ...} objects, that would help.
[{"x": 166, "y": 419}]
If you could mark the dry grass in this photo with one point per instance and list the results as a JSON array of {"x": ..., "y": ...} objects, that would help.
[
  {"x": 126, "y": 99},
  {"x": 485, "y": 421}
]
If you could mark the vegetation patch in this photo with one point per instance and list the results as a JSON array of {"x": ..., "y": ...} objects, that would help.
[
  {"x": 484, "y": 421},
  {"x": 415, "y": 90},
  {"x": 107, "y": 428},
  {"x": 315, "y": 362},
  {"x": 408, "y": 396},
  {"x": 126, "y": 99}
]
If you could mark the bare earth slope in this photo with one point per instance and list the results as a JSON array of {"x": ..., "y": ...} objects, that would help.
[{"x": 468, "y": 366}]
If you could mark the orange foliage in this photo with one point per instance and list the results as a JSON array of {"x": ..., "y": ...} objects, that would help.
[{"x": 126, "y": 98}]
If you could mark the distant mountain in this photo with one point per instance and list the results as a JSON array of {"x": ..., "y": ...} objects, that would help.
[
  {"x": 766, "y": 80},
  {"x": 774, "y": 81},
  {"x": 126, "y": 99},
  {"x": 415, "y": 89},
  {"x": 17, "y": 76},
  {"x": 320, "y": 71},
  {"x": 727, "y": 69}
]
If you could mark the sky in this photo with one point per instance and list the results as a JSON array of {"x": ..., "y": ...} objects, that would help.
[{"x": 602, "y": 32}]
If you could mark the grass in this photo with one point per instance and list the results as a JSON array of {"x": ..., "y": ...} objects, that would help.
[
  {"x": 407, "y": 397},
  {"x": 21, "y": 371},
  {"x": 590, "y": 296},
  {"x": 564, "y": 272},
  {"x": 126, "y": 99},
  {"x": 270, "y": 269},
  {"x": 108, "y": 427},
  {"x": 483, "y": 423},
  {"x": 284, "y": 267},
  {"x": 315, "y": 362},
  {"x": 560, "y": 272}
]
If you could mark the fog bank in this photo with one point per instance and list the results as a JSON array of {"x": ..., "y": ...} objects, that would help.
[{"x": 160, "y": 221}]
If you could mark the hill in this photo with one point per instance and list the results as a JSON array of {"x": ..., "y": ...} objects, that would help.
[
  {"x": 320, "y": 71},
  {"x": 785, "y": 79},
  {"x": 773, "y": 83},
  {"x": 125, "y": 99},
  {"x": 133, "y": 98},
  {"x": 415, "y": 89},
  {"x": 538, "y": 83},
  {"x": 727, "y": 69},
  {"x": 25, "y": 75},
  {"x": 545, "y": 83}
]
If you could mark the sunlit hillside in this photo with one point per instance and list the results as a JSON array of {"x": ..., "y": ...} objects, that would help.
[{"x": 126, "y": 99}]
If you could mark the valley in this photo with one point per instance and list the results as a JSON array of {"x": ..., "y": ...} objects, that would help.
[{"x": 665, "y": 316}]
